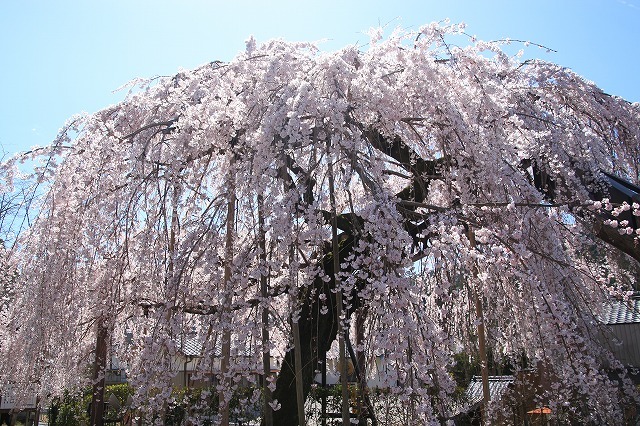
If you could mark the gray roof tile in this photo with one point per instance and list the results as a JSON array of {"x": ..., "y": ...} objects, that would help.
[
  {"x": 473, "y": 394},
  {"x": 622, "y": 312},
  {"x": 497, "y": 386}
]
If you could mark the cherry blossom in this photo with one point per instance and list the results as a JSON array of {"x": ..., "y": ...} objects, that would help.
[{"x": 453, "y": 176}]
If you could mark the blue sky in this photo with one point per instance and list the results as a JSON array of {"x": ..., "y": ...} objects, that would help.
[{"x": 58, "y": 58}]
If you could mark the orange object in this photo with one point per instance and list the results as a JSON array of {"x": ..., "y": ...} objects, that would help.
[{"x": 541, "y": 410}]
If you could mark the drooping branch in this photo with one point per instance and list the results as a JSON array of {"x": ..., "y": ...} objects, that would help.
[
  {"x": 165, "y": 127},
  {"x": 420, "y": 169},
  {"x": 203, "y": 308},
  {"x": 616, "y": 189}
]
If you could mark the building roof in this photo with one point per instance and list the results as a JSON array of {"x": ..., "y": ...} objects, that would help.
[
  {"x": 622, "y": 312},
  {"x": 497, "y": 386},
  {"x": 191, "y": 347},
  {"x": 473, "y": 395}
]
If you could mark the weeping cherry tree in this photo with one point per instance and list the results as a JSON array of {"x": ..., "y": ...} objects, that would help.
[{"x": 391, "y": 199}]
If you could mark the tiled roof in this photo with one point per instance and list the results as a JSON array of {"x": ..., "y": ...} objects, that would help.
[
  {"x": 191, "y": 347},
  {"x": 194, "y": 347},
  {"x": 473, "y": 394},
  {"x": 622, "y": 312},
  {"x": 497, "y": 386}
]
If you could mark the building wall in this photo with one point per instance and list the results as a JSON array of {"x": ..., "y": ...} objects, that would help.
[{"x": 628, "y": 351}]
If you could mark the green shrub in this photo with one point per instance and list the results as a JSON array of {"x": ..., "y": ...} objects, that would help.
[{"x": 72, "y": 409}]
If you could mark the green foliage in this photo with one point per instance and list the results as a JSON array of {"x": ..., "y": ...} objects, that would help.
[
  {"x": 185, "y": 399},
  {"x": 333, "y": 395},
  {"x": 463, "y": 370},
  {"x": 72, "y": 409},
  {"x": 122, "y": 391},
  {"x": 203, "y": 403}
]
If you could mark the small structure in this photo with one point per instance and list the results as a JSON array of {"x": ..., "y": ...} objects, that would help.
[
  {"x": 497, "y": 387},
  {"x": 190, "y": 354},
  {"x": 116, "y": 372},
  {"x": 25, "y": 410},
  {"x": 469, "y": 409},
  {"x": 623, "y": 318},
  {"x": 539, "y": 416},
  {"x": 186, "y": 361}
]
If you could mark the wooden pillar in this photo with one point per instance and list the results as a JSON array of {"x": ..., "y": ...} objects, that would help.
[
  {"x": 267, "y": 413},
  {"x": 346, "y": 415},
  {"x": 37, "y": 415},
  {"x": 297, "y": 345},
  {"x": 324, "y": 388},
  {"x": 97, "y": 395},
  {"x": 228, "y": 297},
  {"x": 360, "y": 362},
  {"x": 298, "y": 369},
  {"x": 482, "y": 350}
]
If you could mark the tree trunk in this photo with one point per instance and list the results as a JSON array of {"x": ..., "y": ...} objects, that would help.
[{"x": 317, "y": 333}]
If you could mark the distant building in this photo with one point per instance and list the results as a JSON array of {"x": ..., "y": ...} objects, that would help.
[{"x": 623, "y": 318}]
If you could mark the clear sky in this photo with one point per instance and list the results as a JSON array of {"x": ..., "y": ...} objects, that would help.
[{"x": 61, "y": 57}]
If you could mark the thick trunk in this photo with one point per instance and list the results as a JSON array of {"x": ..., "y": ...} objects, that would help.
[{"x": 317, "y": 333}]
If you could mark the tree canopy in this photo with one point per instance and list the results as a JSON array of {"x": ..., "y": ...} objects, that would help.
[{"x": 447, "y": 172}]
